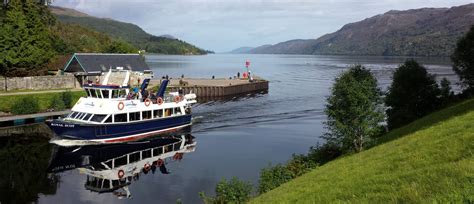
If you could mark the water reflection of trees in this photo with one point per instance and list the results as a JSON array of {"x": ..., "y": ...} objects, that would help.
[{"x": 23, "y": 168}]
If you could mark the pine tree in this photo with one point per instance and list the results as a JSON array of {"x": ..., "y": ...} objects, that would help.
[
  {"x": 25, "y": 41},
  {"x": 413, "y": 94}
]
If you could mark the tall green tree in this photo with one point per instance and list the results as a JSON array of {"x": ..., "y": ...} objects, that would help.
[
  {"x": 413, "y": 93},
  {"x": 25, "y": 40},
  {"x": 354, "y": 110},
  {"x": 463, "y": 60}
]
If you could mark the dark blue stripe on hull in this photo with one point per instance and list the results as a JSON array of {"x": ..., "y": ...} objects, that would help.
[{"x": 111, "y": 131}]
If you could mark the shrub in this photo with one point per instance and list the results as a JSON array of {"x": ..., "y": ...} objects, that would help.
[
  {"x": 67, "y": 99},
  {"x": 322, "y": 154},
  {"x": 272, "y": 177},
  {"x": 57, "y": 104},
  {"x": 26, "y": 105},
  {"x": 232, "y": 191}
]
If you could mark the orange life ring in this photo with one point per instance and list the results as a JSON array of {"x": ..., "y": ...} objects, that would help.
[
  {"x": 159, "y": 162},
  {"x": 147, "y": 166},
  {"x": 159, "y": 100},
  {"x": 120, "y": 105},
  {"x": 177, "y": 99},
  {"x": 121, "y": 173},
  {"x": 147, "y": 102}
]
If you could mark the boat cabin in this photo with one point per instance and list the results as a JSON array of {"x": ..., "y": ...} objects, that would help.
[{"x": 106, "y": 92}]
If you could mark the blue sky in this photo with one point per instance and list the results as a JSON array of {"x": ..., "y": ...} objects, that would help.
[{"x": 223, "y": 25}]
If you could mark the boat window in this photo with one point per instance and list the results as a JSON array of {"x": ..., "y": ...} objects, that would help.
[
  {"x": 157, "y": 151},
  {"x": 177, "y": 111},
  {"x": 106, "y": 183},
  {"x": 109, "y": 164},
  {"x": 158, "y": 113},
  {"x": 98, "y": 118},
  {"x": 176, "y": 146},
  {"x": 123, "y": 182},
  {"x": 86, "y": 116},
  {"x": 134, "y": 116},
  {"x": 98, "y": 93},
  {"x": 73, "y": 114},
  {"x": 115, "y": 93},
  {"x": 120, "y": 161},
  {"x": 134, "y": 157},
  {"x": 122, "y": 93},
  {"x": 168, "y": 112},
  {"x": 87, "y": 92},
  {"x": 99, "y": 183},
  {"x": 166, "y": 148},
  {"x": 109, "y": 119},
  {"x": 92, "y": 93},
  {"x": 115, "y": 183},
  {"x": 146, "y": 115},
  {"x": 120, "y": 118},
  {"x": 78, "y": 116},
  {"x": 146, "y": 154},
  {"x": 105, "y": 93}
]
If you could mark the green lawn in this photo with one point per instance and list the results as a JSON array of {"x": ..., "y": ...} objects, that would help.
[
  {"x": 44, "y": 99},
  {"x": 430, "y": 160}
]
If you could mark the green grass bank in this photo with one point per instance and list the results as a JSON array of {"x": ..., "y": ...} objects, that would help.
[
  {"x": 44, "y": 99},
  {"x": 429, "y": 160}
]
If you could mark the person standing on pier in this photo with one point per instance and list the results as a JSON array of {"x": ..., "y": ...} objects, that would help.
[{"x": 238, "y": 75}]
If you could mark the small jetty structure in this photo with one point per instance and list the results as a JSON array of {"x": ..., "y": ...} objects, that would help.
[{"x": 216, "y": 88}]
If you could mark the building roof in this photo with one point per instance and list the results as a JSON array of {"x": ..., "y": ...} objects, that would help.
[{"x": 102, "y": 62}]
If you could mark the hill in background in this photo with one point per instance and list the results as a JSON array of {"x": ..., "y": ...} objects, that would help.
[
  {"x": 417, "y": 32},
  {"x": 241, "y": 50},
  {"x": 128, "y": 32}
]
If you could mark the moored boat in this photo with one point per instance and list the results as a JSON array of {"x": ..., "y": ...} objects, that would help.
[{"x": 114, "y": 113}]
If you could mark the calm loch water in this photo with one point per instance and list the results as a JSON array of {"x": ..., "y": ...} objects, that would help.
[{"x": 234, "y": 137}]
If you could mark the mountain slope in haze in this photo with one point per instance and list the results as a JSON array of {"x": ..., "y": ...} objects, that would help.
[
  {"x": 241, "y": 50},
  {"x": 128, "y": 32},
  {"x": 417, "y": 32}
]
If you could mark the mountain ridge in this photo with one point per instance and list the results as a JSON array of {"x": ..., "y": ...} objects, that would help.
[
  {"x": 414, "y": 32},
  {"x": 129, "y": 32}
]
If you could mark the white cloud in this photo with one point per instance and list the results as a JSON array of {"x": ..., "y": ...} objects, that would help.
[{"x": 226, "y": 24}]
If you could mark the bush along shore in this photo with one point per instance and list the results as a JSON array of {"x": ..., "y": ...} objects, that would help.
[
  {"x": 411, "y": 144},
  {"x": 39, "y": 102}
]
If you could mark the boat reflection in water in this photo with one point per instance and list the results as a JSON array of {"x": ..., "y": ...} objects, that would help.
[{"x": 112, "y": 168}]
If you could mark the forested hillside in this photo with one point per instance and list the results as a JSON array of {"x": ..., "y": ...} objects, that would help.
[{"x": 128, "y": 32}]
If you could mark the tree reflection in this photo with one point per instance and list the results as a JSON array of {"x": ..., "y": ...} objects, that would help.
[{"x": 23, "y": 168}]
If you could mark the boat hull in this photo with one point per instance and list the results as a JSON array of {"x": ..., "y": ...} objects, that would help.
[{"x": 118, "y": 132}]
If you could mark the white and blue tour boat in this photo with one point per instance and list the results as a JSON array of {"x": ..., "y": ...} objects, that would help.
[{"x": 114, "y": 113}]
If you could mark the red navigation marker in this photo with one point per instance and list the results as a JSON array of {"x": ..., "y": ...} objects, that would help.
[{"x": 247, "y": 63}]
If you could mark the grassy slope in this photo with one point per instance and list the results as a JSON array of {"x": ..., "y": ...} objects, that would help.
[
  {"x": 432, "y": 161},
  {"x": 44, "y": 100}
]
